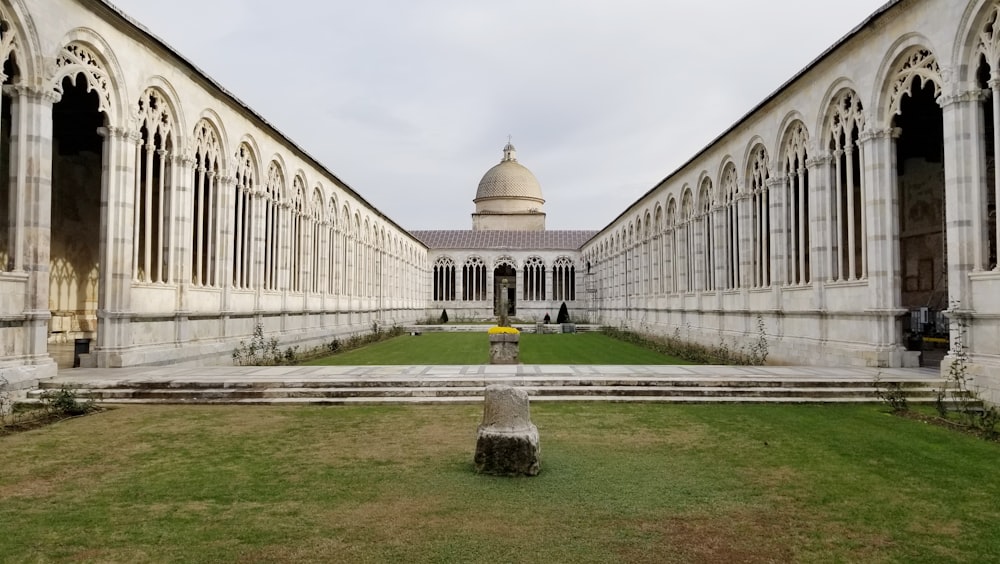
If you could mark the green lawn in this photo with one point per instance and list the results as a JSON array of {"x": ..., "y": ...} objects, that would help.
[
  {"x": 619, "y": 483},
  {"x": 473, "y": 348}
]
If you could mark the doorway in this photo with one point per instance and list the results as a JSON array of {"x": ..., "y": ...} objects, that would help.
[{"x": 505, "y": 281}]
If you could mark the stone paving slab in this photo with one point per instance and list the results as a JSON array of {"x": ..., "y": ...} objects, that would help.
[{"x": 107, "y": 377}]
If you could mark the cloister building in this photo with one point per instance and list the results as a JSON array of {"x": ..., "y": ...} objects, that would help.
[{"x": 850, "y": 213}]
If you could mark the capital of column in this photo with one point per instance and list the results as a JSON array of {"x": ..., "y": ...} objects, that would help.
[
  {"x": 884, "y": 133},
  {"x": 820, "y": 160},
  {"x": 773, "y": 181},
  {"x": 975, "y": 95}
]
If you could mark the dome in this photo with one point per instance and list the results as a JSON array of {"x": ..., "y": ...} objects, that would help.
[{"x": 509, "y": 179}]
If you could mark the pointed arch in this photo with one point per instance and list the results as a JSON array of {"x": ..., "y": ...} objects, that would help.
[{"x": 207, "y": 203}]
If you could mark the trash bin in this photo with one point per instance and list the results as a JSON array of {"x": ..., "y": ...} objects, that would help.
[{"x": 80, "y": 346}]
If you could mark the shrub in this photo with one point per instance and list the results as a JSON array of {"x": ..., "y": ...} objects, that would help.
[
  {"x": 444, "y": 316},
  {"x": 64, "y": 403},
  {"x": 563, "y": 316}
]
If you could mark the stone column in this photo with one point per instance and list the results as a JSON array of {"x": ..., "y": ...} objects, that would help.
[
  {"x": 882, "y": 227},
  {"x": 31, "y": 202},
  {"x": 965, "y": 197},
  {"x": 777, "y": 235},
  {"x": 116, "y": 243},
  {"x": 820, "y": 232}
]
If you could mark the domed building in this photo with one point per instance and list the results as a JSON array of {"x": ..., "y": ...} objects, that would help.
[
  {"x": 507, "y": 250},
  {"x": 509, "y": 198}
]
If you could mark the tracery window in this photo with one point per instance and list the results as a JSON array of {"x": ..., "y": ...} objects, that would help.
[
  {"x": 153, "y": 190},
  {"x": 295, "y": 234},
  {"x": 563, "y": 280},
  {"x": 687, "y": 242},
  {"x": 797, "y": 206},
  {"x": 731, "y": 229},
  {"x": 244, "y": 184},
  {"x": 848, "y": 256},
  {"x": 534, "y": 279},
  {"x": 670, "y": 241},
  {"x": 474, "y": 279},
  {"x": 988, "y": 77},
  {"x": 444, "y": 279},
  {"x": 317, "y": 233},
  {"x": 333, "y": 266},
  {"x": 206, "y": 234},
  {"x": 272, "y": 234},
  {"x": 707, "y": 236},
  {"x": 757, "y": 183}
]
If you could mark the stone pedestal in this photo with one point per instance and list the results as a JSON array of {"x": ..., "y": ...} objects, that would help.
[
  {"x": 507, "y": 441},
  {"x": 505, "y": 349}
]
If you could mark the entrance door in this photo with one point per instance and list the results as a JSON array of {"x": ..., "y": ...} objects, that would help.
[{"x": 505, "y": 274}]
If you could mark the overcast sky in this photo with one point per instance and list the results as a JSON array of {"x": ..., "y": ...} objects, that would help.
[{"x": 411, "y": 102}]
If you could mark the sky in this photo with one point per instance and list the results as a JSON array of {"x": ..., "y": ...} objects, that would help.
[{"x": 411, "y": 102}]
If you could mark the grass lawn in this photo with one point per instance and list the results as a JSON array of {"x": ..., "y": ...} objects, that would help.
[
  {"x": 632, "y": 483},
  {"x": 474, "y": 348}
]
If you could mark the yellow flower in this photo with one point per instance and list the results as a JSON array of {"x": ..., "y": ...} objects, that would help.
[{"x": 502, "y": 330}]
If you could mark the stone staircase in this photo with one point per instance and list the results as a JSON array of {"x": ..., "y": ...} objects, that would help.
[{"x": 342, "y": 389}]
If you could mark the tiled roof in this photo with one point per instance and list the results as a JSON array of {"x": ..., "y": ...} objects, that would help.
[{"x": 467, "y": 239}]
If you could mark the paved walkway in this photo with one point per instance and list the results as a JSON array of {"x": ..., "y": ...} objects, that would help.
[{"x": 107, "y": 377}]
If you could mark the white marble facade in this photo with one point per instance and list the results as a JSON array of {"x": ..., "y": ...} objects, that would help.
[{"x": 151, "y": 211}]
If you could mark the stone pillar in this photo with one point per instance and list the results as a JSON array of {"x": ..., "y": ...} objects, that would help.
[
  {"x": 965, "y": 192},
  {"x": 820, "y": 230},
  {"x": 882, "y": 227},
  {"x": 965, "y": 199},
  {"x": 116, "y": 242},
  {"x": 507, "y": 442},
  {"x": 31, "y": 200},
  {"x": 744, "y": 203},
  {"x": 777, "y": 235}
]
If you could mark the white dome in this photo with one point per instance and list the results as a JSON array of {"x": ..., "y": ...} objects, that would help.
[{"x": 510, "y": 179}]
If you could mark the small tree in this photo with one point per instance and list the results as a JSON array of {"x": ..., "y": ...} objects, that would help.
[
  {"x": 444, "y": 316},
  {"x": 563, "y": 316}
]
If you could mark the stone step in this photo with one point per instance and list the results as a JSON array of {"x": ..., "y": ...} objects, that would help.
[
  {"x": 437, "y": 400},
  {"x": 194, "y": 395},
  {"x": 536, "y": 381}
]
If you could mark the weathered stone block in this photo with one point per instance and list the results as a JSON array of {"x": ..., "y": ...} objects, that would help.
[
  {"x": 505, "y": 349},
  {"x": 507, "y": 442}
]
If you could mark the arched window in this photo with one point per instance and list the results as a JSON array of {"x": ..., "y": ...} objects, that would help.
[
  {"x": 205, "y": 214},
  {"x": 316, "y": 239},
  {"x": 444, "y": 279},
  {"x": 533, "y": 288},
  {"x": 687, "y": 242},
  {"x": 848, "y": 255},
  {"x": 245, "y": 181},
  {"x": 273, "y": 235},
  {"x": 474, "y": 280},
  {"x": 988, "y": 78},
  {"x": 757, "y": 183},
  {"x": 563, "y": 280},
  {"x": 670, "y": 252},
  {"x": 333, "y": 266},
  {"x": 731, "y": 229},
  {"x": 797, "y": 206},
  {"x": 295, "y": 235},
  {"x": 153, "y": 190},
  {"x": 707, "y": 236}
]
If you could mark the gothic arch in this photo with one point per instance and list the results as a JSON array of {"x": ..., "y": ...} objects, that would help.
[
  {"x": 755, "y": 144},
  {"x": 248, "y": 154},
  {"x": 910, "y": 58},
  {"x": 85, "y": 52},
  {"x": 727, "y": 161},
  {"x": 504, "y": 260},
  {"x": 212, "y": 118},
  {"x": 972, "y": 35},
  {"x": 794, "y": 137},
  {"x": 24, "y": 41},
  {"x": 792, "y": 124},
  {"x": 173, "y": 99},
  {"x": 832, "y": 93}
]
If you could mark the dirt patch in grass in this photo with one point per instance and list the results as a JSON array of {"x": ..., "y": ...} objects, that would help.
[{"x": 752, "y": 535}]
